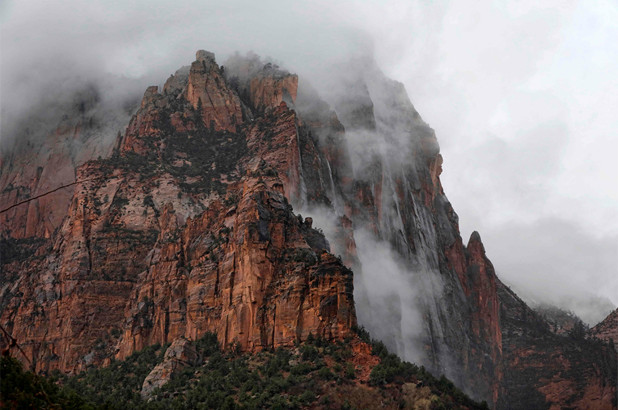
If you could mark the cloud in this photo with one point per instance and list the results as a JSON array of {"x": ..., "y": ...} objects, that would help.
[
  {"x": 522, "y": 95},
  {"x": 50, "y": 48},
  {"x": 556, "y": 261},
  {"x": 387, "y": 292},
  {"x": 391, "y": 296}
]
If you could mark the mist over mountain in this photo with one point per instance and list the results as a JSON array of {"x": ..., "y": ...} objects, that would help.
[
  {"x": 268, "y": 202},
  {"x": 527, "y": 104},
  {"x": 184, "y": 224}
]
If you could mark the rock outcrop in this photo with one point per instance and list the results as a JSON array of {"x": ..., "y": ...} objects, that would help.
[
  {"x": 179, "y": 355},
  {"x": 208, "y": 93},
  {"x": 398, "y": 197}
]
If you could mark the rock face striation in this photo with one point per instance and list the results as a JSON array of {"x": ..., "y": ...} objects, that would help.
[{"x": 186, "y": 225}]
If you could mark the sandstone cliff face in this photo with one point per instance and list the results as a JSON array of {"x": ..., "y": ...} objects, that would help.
[
  {"x": 270, "y": 89},
  {"x": 42, "y": 160},
  {"x": 470, "y": 334},
  {"x": 187, "y": 226},
  {"x": 184, "y": 229},
  {"x": 208, "y": 93}
]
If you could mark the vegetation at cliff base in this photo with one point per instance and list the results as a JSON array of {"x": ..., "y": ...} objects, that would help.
[
  {"x": 20, "y": 389},
  {"x": 316, "y": 374}
]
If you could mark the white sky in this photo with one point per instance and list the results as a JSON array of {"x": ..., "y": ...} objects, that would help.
[{"x": 522, "y": 95}]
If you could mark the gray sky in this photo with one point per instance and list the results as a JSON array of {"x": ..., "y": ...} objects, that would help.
[{"x": 522, "y": 96}]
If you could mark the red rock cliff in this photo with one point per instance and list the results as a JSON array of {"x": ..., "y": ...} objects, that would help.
[{"x": 187, "y": 227}]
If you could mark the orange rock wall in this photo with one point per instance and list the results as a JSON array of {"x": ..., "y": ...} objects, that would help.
[{"x": 143, "y": 258}]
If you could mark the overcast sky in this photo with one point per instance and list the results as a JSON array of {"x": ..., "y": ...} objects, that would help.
[{"x": 522, "y": 95}]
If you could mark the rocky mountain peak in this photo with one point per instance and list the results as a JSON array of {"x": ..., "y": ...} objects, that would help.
[
  {"x": 186, "y": 228},
  {"x": 150, "y": 96},
  {"x": 208, "y": 93},
  {"x": 205, "y": 56},
  {"x": 475, "y": 243}
]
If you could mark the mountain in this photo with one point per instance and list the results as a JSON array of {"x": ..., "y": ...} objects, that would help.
[
  {"x": 561, "y": 321},
  {"x": 607, "y": 329},
  {"x": 187, "y": 223},
  {"x": 544, "y": 368}
]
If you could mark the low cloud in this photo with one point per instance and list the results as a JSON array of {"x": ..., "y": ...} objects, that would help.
[
  {"x": 387, "y": 293},
  {"x": 557, "y": 262},
  {"x": 522, "y": 97},
  {"x": 392, "y": 298}
]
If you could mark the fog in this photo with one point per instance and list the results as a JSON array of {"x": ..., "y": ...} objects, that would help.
[
  {"x": 522, "y": 97},
  {"x": 388, "y": 296}
]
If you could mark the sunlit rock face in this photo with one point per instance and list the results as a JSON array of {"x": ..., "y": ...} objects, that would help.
[
  {"x": 186, "y": 224},
  {"x": 179, "y": 355}
]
